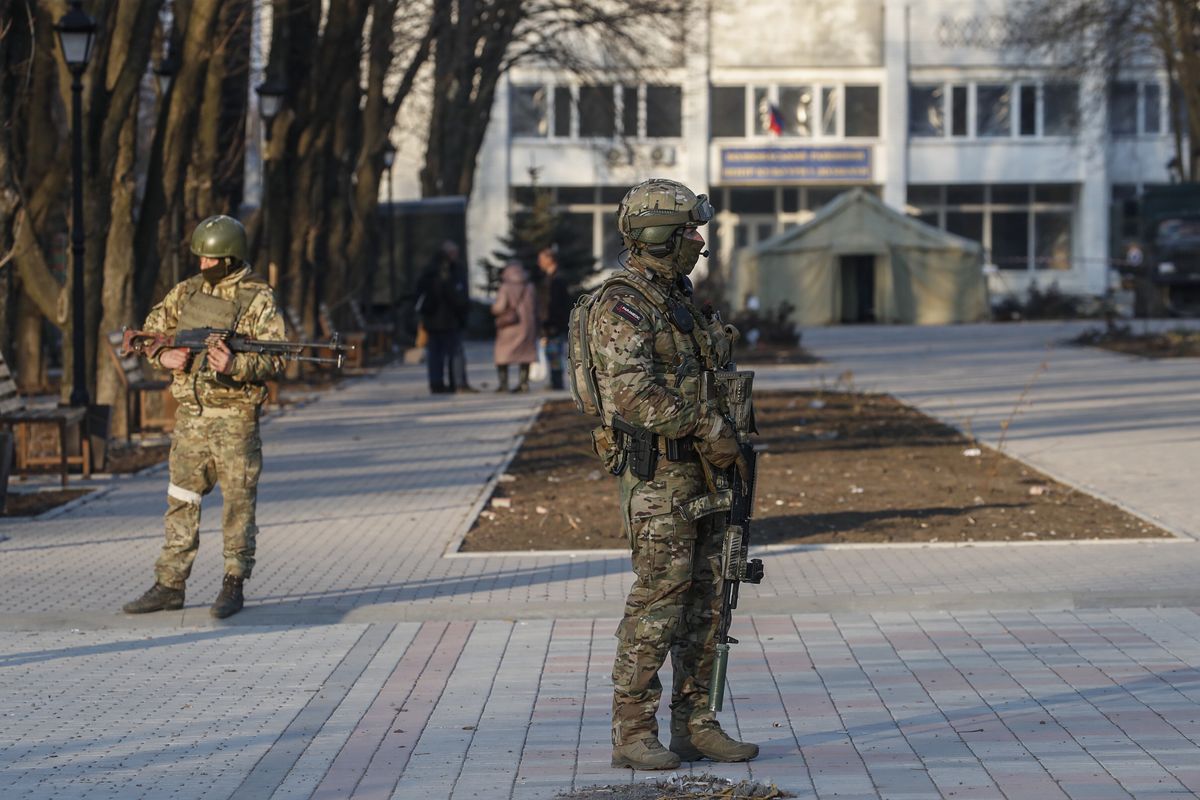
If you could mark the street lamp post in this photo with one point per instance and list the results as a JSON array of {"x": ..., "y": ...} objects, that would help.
[
  {"x": 76, "y": 32},
  {"x": 270, "y": 101},
  {"x": 164, "y": 76},
  {"x": 389, "y": 158}
]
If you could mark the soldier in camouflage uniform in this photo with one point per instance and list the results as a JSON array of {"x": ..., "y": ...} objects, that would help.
[
  {"x": 648, "y": 345},
  {"x": 220, "y": 394}
]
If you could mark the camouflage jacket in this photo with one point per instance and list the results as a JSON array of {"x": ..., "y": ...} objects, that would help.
[
  {"x": 258, "y": 317},
  {"x": 647, "y": 367}
]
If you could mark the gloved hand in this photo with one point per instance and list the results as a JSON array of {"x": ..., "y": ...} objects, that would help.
[
  {"x": 720, "y": 448},
  {"x": 723, "y": 337}
]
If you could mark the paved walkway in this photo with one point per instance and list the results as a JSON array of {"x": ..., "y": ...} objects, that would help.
[{"x": 372, "y": 663}]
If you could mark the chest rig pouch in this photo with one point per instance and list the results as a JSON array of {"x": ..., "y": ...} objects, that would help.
[{"x": 209, "y": 311}]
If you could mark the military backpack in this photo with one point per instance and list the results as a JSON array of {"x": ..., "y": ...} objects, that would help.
[{"x": 584, "y": 388}]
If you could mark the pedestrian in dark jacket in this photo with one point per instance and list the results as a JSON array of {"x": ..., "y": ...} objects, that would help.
[
  {"x": 458, "y": 359},
  {"x": 554, "y": 311},
  {"x": 443, "y": 304}
]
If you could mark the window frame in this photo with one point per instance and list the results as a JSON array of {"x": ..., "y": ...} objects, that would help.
[
  {"x": 1016, "y": 88},
  {"x": 818, "y": 88},
  {"x": 1031, "y": 206}
]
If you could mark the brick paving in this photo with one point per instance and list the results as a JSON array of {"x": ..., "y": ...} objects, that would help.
[{"x": 372, "y": 664}]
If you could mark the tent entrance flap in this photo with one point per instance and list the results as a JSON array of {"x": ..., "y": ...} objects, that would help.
[{"x": 858, "y": 288}]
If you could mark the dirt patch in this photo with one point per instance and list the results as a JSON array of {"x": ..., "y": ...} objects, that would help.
[
  {"x": 1120, "y": 338},
  {"x": 30, "y": 504},
  {"x": 774, "y": 354},
  {"x": 127, "y": 458},
  {"x": 834, "y": 467},
  {"x": 680, "y": 787}
]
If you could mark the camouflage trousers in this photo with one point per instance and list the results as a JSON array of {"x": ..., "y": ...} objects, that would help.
[
  {"x": 218, "y": 446},
  {"x": 672, "y": 608}
]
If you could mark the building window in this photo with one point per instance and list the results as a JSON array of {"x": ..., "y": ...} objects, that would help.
[
  {"x": 752, "y": 201},
  {"x": 594, "y": 111},
  {"x": 664, "y": 111},
  {"x": 967, "y": 224},
  {"x": 993, "y": 110},
  {"x": 727, "y": 111},
  {"x": 829, "y": 111},
  {"x": 763, "y": 110},
  {"x": 1060, "y": 109},
  {"x": 796, "y": 108},
  {"x": 958, "y": 110},
  {"x": 597, "y": 116},
  {"x": 1001, "y": 110},
  {"x": 528, "y": 112},
  {"x": 1052, "y": 238},
  {"x": 862, "y": 111},
  {"x": 563, "y": 110},
  {"x": 1028, "y": 99},
  {"x": 1135, "y": 108},
  {"x": 1151, "y": 108},
  {"x": 1020, "y": 226},
  {"x": 1122, "y": 109},
  {"x": 1010, "y": 239},
  {"x": 926, "y": 116},
  {"x": 629, "y": 111}
]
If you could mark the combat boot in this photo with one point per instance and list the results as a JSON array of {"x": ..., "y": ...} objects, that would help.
[
  {"x": 156, "y": 598},
  {"x": 501, "y": 377},
  {"x": 644, "y": 754},
  {"x": 709, "y": 741},
  {"x": 230, "y": 600}
]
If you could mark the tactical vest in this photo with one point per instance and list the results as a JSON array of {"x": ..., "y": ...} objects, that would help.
[
  {"x": 584, "y": 387},
  {"x": 202, "y": 310}
]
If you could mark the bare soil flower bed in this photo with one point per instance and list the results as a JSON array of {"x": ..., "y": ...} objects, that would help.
[
  {"x": 834, "y": 467},
  {"x": 1121, "y": 338}
]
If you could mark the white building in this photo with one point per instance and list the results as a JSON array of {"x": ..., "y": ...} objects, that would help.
[{"x": 917, "y": 99}]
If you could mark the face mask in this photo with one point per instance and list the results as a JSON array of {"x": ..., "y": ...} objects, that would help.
[
  {"x": 688, "y": 255},
  {"x": 215, "y": 275}
]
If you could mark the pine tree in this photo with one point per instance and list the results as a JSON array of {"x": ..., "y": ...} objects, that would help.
[{"x": 537, "y": 228}]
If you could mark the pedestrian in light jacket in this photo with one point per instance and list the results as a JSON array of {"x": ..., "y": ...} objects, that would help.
[{"x": 515, "y": 311}]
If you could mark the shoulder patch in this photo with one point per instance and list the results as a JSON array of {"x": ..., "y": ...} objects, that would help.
[{"x": 628, "y": 312}]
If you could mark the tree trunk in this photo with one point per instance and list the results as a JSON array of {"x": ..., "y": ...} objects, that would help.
[
  {"x": 117, "y": 292},
  {"x": 30, "y": 367}
]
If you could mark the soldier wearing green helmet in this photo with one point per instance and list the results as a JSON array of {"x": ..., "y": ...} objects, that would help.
[
  {"x": 638, "y": 346},
  {"x": 220, "y": 395}
]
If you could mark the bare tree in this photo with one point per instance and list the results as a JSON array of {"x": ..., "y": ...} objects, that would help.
[
  {"x": 142, "y": 182},
  {"x": 348, "y": 68},
  {"x": 1106, "y": 36},
  {"x": 480, "y": 40}
]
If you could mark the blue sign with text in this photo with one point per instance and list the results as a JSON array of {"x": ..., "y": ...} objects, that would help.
[{"x": 775, "y": 165}]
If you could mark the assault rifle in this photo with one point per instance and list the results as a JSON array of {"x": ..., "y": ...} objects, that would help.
[
  {"x": 731, "y": 391},
  {"x": 198, "y": 340}
]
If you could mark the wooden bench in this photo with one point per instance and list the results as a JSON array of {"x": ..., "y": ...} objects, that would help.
[
  {"x": 23, "y": 421},
  {"x": 379, "y": 333},
  {"x": 137, "y": 386},
  {"x": 356, "y": 358}
]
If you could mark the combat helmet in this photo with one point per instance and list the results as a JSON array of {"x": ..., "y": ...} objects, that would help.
[
  {"x": 651, "y": 213},
  {"x": 220, "y": 237}
]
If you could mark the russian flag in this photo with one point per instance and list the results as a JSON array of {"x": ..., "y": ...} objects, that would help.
[{"x": 774, "y": 119}]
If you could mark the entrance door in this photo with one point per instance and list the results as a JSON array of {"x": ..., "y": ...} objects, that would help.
[{"x": 858, "y": 288}]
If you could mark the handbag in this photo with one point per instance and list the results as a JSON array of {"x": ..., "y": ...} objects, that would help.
[
  {"x": 539, "y": 369},
  {"x": 507, "y": 317}
]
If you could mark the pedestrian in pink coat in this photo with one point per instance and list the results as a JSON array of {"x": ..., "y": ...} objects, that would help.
[{"x": 515, "y": 311}]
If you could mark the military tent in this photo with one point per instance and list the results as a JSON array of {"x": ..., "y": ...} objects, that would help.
[{"x": 858, "y": 260}]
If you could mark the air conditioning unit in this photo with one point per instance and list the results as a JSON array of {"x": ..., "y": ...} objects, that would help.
[
  {"x": 616, "y": 156},
  {"x": 663, "y": 154}
]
